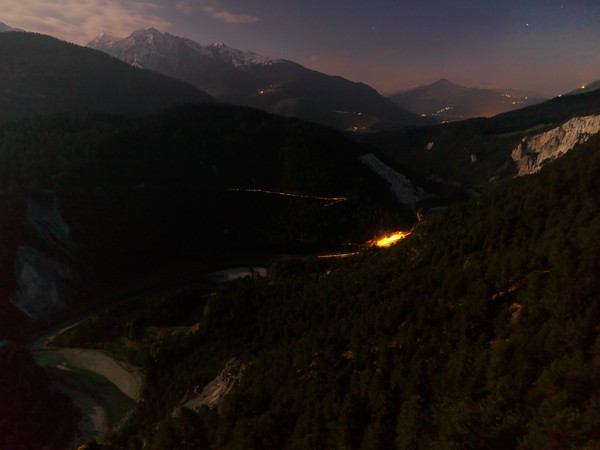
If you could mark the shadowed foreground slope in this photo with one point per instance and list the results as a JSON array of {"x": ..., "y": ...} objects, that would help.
[{"x": 480, "y": 330}]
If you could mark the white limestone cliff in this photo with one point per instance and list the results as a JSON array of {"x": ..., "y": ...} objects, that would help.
[
  {"x": 404, "y": 190},
  {"x": 46, "y": 279},
  {"x": 49, "y": 225},
  {"x": 213, "y": 392},
  {"x": 44, "y": 283},
  {"x": 534, "y": 151}
]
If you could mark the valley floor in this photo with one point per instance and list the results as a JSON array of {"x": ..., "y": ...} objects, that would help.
[{"x": 124, "y": 376}]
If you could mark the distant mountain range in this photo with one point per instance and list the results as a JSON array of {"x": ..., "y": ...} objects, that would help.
[
  {"x": 246, "y": 78},
  {"x": 446, "y": 101},
  {"x": 40, "y": 74},
  {"x": 228, "y": 75}
]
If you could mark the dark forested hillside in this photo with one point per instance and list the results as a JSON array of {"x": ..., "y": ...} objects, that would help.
[
  {"x": 478, "y": 150},
  {"x": 116, "y": 195},
  {"x": 34, "y": 414},
  {"x": 480, "y": 330},
  {"x": 40, "y": 75}
]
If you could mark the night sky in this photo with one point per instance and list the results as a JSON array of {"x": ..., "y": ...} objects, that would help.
[{"x": 547, "y": 46}]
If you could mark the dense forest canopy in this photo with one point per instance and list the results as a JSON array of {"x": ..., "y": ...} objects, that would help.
[{"x": 480, "y": 330}]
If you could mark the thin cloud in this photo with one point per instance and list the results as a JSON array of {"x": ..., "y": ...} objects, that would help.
[
  {"x": 227, "y": 17},
  {"x": 186, "y": 8},
  {"x": 80, "y": 20}
]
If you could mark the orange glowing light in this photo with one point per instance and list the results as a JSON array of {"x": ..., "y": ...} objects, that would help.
[{"x": 391, "y": 239}]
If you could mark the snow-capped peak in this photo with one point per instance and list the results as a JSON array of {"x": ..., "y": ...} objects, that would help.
[
  {"x": 142, "y": 43},
  {"x": 238, "y": 58},
  {"x": 103, "y": 40}
]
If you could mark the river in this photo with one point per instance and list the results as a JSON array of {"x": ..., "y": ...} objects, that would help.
[{"x": 104, "y": 388}]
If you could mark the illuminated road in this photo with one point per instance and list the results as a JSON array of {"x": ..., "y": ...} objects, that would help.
[
  {"x": 332, "y": 200},
  {"x": 382, "y": 242},
  {"x": 337, "y": 255}
]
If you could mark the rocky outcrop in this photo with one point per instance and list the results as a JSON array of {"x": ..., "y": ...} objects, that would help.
[
  {"x": 213, "y": 392},
  {"x": 45, "y": 284},
  {"x": 403, "y": 189},
  {"x": 534, "y": 151},
  {"x": 49, "y": 225},
  {"x": 46, "y": 279}
]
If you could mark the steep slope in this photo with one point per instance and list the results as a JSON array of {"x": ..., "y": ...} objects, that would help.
[
  {"x": 90, "y": 198},
  {"x": 479, "y": 151},
  {"x": 40, "y": 74},
  {"x": 246, "y": 78},
  {"x": 480, "y": 330},
  {"x": 5, "y": 28},
  {"x": 449, "y": 102},
  {"x": 535, "y": 151}
]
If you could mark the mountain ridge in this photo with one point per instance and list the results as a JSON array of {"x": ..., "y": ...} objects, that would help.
[
  {"x": 41, "y": 74},
  {"x": 246, "y": 78},
  {"x": 152, "y": 36},
  {"x": 448, "y": 101}
]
